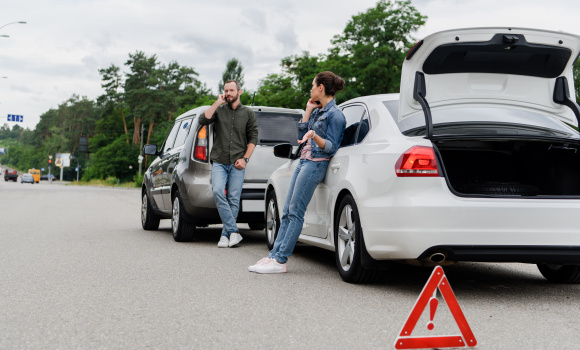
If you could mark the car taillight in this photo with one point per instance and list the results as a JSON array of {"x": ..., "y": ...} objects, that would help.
[
  {"x": 417, "y": 161},
  {"x": 200, "y": 152}
]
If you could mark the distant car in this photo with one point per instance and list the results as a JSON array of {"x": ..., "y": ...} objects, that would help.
[
  {"x": 27, "y": 178},
  {"x": 46, "y": 177},
  {"x": 10, "y": 175},
  {"x": 177, "y": 184}
]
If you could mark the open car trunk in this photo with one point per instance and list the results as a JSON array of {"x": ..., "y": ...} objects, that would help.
[{"x": 503, "y": 167}]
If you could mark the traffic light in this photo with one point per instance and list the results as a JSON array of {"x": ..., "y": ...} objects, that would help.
[{"x": 49, "y": 161}]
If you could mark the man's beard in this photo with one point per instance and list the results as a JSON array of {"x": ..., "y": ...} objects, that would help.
[{"x": 234, "y": 99}]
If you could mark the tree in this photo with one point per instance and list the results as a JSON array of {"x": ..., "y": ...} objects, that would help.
[
  {"x": 234, "y": 71},
  {"x": 375, "y": 43}
]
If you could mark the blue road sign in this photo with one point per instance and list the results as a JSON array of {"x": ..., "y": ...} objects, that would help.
[
  {"x": 41, "y": 169},
  {"x": 15, "y": 118}
]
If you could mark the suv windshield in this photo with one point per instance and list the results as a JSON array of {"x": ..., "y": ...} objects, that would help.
[
  {"x": 276, "y": 127},
  {"x": 480, "y": 120}
]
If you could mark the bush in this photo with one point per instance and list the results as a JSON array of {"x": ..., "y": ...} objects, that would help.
[
  {"x": 138, "y": 179},
  {"x": 111, "y": 180}
]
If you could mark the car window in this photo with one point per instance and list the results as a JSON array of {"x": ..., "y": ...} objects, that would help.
[
  {"x": 353, "y": 115},
  {"x": 277, "y": 127},
  {"x": 171, "y": 137},
  {"x": 364, "y": 128},
  {"x": 182, "y": 132}
]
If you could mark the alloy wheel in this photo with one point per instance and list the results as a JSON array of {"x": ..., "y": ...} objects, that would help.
[
  {"x": 175, "y": 217},
  {"x": 346, "y": 237},
  {"x": 271, "y": 221},
  {"x": 144, "y": 209}
]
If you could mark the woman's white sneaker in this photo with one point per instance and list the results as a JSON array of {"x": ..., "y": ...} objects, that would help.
[
  {"x": 260, "y": 262},
  {"x": 271, "y": 266}
]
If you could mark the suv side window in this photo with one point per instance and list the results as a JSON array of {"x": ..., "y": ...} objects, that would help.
[
  {"x": 182, "y": 133},
  {"x": 171, "y": 138},
  {"x": 353, "y": 115}
]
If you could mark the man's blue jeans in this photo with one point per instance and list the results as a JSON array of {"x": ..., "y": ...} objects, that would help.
[
  {"x": 306, "y": 177},
  {"x": 223, "y": 175}
]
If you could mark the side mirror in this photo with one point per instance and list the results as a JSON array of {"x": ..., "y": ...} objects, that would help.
[
  {"x": 150, "y": 150},
  {"x": 283, "y": 150}
]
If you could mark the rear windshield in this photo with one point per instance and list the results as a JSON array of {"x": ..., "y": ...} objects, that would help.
[
  {"x": 486, "y": 121},
  {"x": 276, "y": 127}
]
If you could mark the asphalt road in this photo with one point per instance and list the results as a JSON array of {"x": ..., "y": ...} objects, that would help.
[{"x": 78, "y": 272}]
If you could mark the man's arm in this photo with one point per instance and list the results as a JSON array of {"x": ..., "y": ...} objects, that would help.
[{"x": 210, "y": 112}]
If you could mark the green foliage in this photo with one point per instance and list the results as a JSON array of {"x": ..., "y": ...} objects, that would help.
[
  {"x": 150, "y": 94},
  {"x": 368, "y": 55},
  {"x": 234, "y": 71},
  {"x": 577, "y": 82}
]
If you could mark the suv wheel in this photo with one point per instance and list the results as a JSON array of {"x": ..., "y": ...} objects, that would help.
[
  {"x": 182, "y": 229},
  {"x": 272, "y": 219},
  {"x": 347, "y": 233},
  {"x": 569, "y": 274},
  {"x": 149, "y": 220}
]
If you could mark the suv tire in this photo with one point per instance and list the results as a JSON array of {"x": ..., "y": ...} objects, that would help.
[
  {"x": 182, "y": 229},
  {"x": 149, "y": 220}
]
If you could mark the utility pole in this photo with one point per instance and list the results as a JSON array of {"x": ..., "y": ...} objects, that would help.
[{"x": 141, "y": 150}]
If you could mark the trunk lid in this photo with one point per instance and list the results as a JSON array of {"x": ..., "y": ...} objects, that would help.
[{"x": 513, "y": 67}]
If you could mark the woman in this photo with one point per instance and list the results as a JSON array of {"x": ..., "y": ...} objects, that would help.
[{"x": 321, "y": 129}]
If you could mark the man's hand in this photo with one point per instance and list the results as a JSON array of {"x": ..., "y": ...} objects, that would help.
[
  {"x": 222, "y": 99},
  {"x": 240, "y": 164}
]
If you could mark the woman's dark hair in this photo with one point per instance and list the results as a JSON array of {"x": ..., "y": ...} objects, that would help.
[{"x": 332, "y": 82}]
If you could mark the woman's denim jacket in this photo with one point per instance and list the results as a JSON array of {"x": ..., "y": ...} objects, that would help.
[{"x": 328, "y": 123}]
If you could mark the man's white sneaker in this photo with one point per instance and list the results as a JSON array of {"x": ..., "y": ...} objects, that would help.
[
  {"x": 223, "y": 243},
  {"x": 260, "y": 262},
  {"x": 235, "y": 238},
  {"x": 271, "y": 266}
]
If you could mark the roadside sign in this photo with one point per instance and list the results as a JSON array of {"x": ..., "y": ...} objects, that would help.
[
  {"x": 41, "y": 169},
  {"x": 15, "y": 118},
  {"x": 437, "y": 281},
  {"x": 77, "y": 168}
]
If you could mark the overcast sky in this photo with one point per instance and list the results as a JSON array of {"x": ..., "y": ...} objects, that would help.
[{"x": 64, "y": 43}]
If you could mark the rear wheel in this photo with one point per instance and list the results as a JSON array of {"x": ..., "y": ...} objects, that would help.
[
  {"x": 149, "y": 220},
  {"x": 272, "y": 219},
  {"x": 182, "y": 229},
  {"x": 569, "y": 274},
  {"x": 347, "y": 239}
]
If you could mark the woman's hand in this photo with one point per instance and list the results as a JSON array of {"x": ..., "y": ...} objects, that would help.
[
  {"x": 311, "y": 105},
  {"x": 309, "y": 134}
]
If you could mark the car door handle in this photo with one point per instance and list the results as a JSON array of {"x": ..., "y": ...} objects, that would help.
[{"x": 335, "y": 166}]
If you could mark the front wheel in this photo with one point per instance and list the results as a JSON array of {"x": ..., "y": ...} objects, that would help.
[
  {"x": 182, "y": 229},
  {"x": 568, "y": 274},
  {"x": 272, "y": 220},
  {"x": 149, "y": 220},
  {"x": 347, "y": 239}
]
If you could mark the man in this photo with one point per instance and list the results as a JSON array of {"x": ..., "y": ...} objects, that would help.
[{"x": 235, "y": 137}]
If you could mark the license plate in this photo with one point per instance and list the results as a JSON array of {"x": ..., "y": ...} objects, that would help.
[{"x": 248, "y": 205}]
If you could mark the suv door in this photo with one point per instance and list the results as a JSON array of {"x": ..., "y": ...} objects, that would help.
[
  {"x": 170, "y": 160},
  {"x": 158, "y": 178}
]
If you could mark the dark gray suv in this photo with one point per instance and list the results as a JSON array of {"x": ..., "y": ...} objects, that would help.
[{"x": 177, "y": 185}]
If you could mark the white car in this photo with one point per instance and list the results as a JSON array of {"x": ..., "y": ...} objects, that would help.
[{"x": 475, "y": 160}]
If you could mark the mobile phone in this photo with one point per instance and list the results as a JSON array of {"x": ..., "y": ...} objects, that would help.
[{"x": 317, "y": 102}]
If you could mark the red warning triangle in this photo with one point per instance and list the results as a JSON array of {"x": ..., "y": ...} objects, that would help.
[{"x": 427, "y": 296}]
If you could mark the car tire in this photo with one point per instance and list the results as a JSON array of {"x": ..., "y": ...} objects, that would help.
[
  {"x": 149, "y": 220},
  {"x": 272, "y": 220},
  {"x": 183, "y": 230},
  {"x": 568, "y": 274},
  {"x": 347, "y": 239},
  {"x": 256, "y": 226}
]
